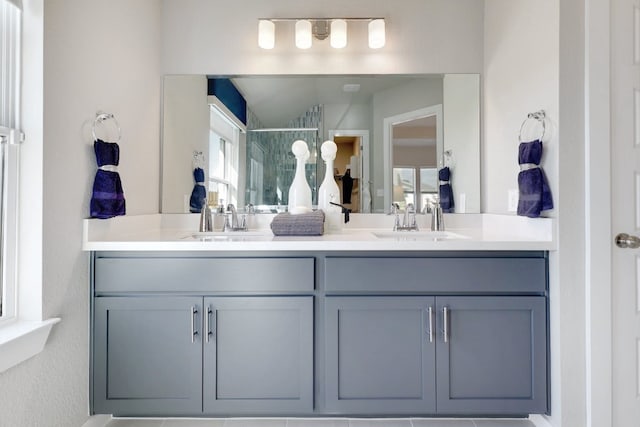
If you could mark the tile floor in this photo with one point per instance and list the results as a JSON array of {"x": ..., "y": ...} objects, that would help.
[{"x": 321, "y": 422}]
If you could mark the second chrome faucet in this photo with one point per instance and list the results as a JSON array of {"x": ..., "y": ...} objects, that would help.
[
  {"x": 232, "y": 220},
  {"x": 409, "y": 222}
]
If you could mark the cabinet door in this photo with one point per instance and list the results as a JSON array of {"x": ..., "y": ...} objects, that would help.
[
  {"x": 494, "y": 358},
  {"x": 258, "y": 355},
  {"x": 147, "y": 356},
  {"x": 380, "y": 355}
]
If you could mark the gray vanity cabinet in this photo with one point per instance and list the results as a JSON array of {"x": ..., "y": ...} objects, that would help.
[
  {"x": 194, "y": 335},
  {"x": 258, "y": 355},
  {"x": 491, "y": 355},
  {"x": 450, "y": 355},
  {"x": 218, "y": 355},
  {"x": 380, "y": 357},
  {"x": 147, "y": 356},
  {"x": 448, "y": 333}
]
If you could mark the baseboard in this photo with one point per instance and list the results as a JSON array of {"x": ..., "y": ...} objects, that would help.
[
  {"x": 97, "y": 421},
  {"x": 540, "y": 421}
]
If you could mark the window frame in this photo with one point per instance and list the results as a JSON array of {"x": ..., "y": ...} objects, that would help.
[
  {"x": 224, "y": 134},
  {"x": 10, "y": 139},
  {"x": 26, "y": 334}
]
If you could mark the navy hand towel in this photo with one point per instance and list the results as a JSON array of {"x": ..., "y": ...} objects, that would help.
[
  {"x": 199, "y": 193},
  {"x": 445, "y": 190},
  {"x": 535, "y": 194},
  {"x": 107, "y": 198}
]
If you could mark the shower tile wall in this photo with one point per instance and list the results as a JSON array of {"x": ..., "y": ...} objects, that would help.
[{"x": 269, "y": 153}]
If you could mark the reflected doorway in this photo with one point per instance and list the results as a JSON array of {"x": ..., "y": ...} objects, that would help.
[
  {"x": 413, "y": 145},
  {"x": 415, "y": 162},
  {"x": 351, "y": 168}
]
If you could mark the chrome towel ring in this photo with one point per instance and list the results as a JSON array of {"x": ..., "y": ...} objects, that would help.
[
  {"x": 102, "y": 117},
  {"x": 539, "y": 118}
]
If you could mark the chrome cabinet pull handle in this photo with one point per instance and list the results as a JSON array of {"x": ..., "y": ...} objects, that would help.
[
  {"x": 194, "y": 331},
  {"x": 445, "y": 321},
  {"x": 207, "y": 324},
  {"x": 431, "y": 324}
]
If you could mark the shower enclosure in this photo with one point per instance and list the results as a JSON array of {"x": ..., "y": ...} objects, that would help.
[{"x": 271, "y": 166}]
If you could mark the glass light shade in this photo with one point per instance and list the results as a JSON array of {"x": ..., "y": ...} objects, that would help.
[
  {"x": 266, "y": 34},
  {"x": 338, "y": 33},
  {"x": 376, "y": 34},
  {"x": 303, "y": 34}
]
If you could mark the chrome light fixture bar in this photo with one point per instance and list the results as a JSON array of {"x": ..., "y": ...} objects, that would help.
[{"x": 306, "y": 29}]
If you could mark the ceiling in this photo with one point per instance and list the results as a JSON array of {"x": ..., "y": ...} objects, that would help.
[{"x": 276, "y": 100}]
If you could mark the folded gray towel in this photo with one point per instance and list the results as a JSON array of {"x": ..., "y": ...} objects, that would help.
[{"x": 306, "y": 224}]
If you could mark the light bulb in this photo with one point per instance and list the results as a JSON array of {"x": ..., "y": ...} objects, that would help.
[
  {"x": 303, "y": 34},
  {"x": 338, "y": 33},
  {"x": 376, "y": 34},
  {"x": 266, "y": 34}
]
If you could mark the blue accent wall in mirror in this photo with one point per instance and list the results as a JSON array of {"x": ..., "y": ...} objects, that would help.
[{"x": 229, "y": 95}]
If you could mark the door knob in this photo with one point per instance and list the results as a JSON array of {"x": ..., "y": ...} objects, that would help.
[{"x": 624, "y": 240}]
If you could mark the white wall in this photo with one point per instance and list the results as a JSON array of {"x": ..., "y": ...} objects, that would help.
[
  {"x": 522, "y": 74},
  {"x": 185, "y": 129},
  {"x": 97, "y": 56},
  {"x": 423, "y": 36},
  {"x": 461, "y": 122}
]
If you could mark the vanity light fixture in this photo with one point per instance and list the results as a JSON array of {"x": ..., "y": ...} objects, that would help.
[
  {"x": 266, "y": 34},
  {"x": 377, "y": 34},
  {"x": 303, "y": 34},
  {"x": 338, "y": 33},
  {"x": 306, "y": 29}
]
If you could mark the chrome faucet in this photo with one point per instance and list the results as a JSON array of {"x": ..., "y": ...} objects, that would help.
[
  {"x": 409, "y": 222},
  {"x": 232, "y": 222}
]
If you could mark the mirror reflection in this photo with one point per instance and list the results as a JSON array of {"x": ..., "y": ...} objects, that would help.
[{"x": 392, "y": 133}]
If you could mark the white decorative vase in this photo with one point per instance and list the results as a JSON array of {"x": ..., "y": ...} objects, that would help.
[
  {"x": 300, "y": 192},
  {"x": 329, "y": 190}
]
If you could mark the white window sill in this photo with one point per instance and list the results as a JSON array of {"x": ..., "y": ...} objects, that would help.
[{"x": 23, "y": 339}]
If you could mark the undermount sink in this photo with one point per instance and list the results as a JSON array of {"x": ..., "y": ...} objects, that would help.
[
  {"x": 419, "y": 235},
  {"x": 209, "y": 236}
]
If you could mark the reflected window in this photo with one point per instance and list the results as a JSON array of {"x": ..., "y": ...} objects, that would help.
[
  {"x": 428, "y": 187},
  {"x": 223, "y": 160},
  {"x": 406, "y": 187}
]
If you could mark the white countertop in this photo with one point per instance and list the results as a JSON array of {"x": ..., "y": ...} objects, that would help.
[{"x": 178, "y": 232}]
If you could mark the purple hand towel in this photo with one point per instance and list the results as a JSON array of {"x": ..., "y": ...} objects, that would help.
[
  {"x": 107, "y": 197},
  {"x": 535, "y": 194},
  {"x": 445, "y": 190},
  {"x": 199, "y": 192}
]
